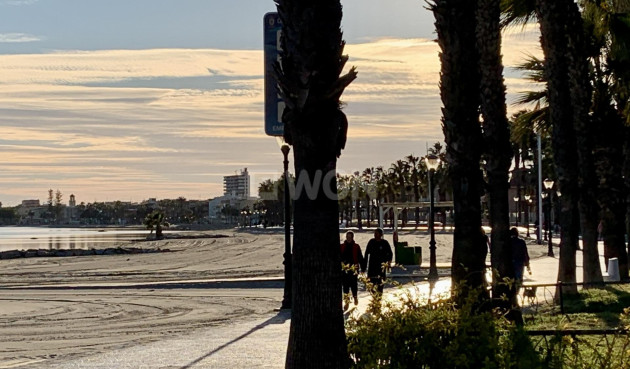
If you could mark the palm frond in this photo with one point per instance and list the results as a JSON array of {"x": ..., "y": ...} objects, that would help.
[
  {"x": 517, "y": 12},
  {"x": 529, "y": 97}
]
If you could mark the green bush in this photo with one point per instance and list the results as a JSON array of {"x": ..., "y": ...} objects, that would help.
[{"x": 417, "y": 334}]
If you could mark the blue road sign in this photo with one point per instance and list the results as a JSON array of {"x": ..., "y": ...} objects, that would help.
[{"x": 274, "y": 106}]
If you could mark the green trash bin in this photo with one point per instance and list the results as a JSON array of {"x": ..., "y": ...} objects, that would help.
[{"x": 407, "y": 255}]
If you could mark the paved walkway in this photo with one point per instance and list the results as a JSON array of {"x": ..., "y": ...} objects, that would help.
[{"x": 250, "y": 344}]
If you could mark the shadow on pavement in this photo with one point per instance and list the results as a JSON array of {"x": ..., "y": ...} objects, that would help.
[{"x": 280, "y": 318}]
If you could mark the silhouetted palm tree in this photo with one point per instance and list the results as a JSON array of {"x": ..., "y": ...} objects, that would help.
[
  {"x": 311, "y": 86},
  {"x": 459, "y": 90},
  {"x": 610, "y": 64},
  {"x": 156, "y": 220},
  {"x": 497, "y": 150},
  {"x": 414, "y": 177}
]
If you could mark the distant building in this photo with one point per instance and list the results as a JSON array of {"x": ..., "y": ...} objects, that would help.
[
  {"x": 237, "y": 185},
  {"x": 151, "y": 203},
  {"x": 31, "y": 212},
  {"x": 30, "y": 203}
]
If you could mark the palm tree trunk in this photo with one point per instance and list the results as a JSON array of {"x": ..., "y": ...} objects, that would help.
[
  {"x": 311, "y": 86},
  {"x": 609, "y": 149},
  {"x": 626, "y": 176},
  {"x": 498, "y": 148},
  {"x": 316, "y": 309},
  {"x": 551, "y": 16},
  {"x": 580, "y": 89},
  {"x": 459, "y": 90}
]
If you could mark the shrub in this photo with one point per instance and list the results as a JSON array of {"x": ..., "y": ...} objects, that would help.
[{"x": 421, "y": 335}]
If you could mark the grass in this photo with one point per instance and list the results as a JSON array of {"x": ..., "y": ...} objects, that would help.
[{"x": 593, "y": 308}]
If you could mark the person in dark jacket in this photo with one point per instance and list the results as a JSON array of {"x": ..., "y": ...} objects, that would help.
[
  {"x": 378, "y": 256},
  {"x": 351, "y": 261},
  {"x": 520, "y": 256}
]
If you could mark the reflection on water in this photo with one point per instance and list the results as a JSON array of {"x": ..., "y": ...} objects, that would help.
[{"x": 23, "y": 238}]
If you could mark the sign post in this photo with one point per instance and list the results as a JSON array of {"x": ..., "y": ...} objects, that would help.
[{"x": 274, "y": 106}]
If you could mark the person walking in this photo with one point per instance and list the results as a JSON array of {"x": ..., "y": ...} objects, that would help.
[
  {"x": 378, "y": 256},
  {"x": 351, "y": 262},
  {"x": 520, "y": 256}
]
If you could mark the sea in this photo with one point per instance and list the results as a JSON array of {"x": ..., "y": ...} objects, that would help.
[{"x": 24, "y": 238}]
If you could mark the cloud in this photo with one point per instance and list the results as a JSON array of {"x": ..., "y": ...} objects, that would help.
[
  {"x": 18, "y": 2},
  {"x": 133, "y": 124},
  {"x": 18, "y": 38}
]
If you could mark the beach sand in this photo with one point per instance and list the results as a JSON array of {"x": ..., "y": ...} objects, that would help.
[{"x": 55, "y": 309}]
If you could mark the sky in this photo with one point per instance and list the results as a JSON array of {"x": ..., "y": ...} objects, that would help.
[{"x": 135, "y": 99}]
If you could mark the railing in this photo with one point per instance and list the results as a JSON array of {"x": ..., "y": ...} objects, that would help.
[{"x": 533, "y": 296}]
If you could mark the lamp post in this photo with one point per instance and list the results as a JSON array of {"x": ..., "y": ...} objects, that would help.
[
  {"x": 286, "y": 299},
  {"x": 548, "y": 183},
  {"x": 516, "y": 206},
  {"x": 527, "y": 199},
  {"x": 432, "y": 162}
]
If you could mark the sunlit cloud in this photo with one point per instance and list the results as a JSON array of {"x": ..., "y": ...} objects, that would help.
[
  {"x": 133, "y": 124},
  {"x": 17, "y": 38}
]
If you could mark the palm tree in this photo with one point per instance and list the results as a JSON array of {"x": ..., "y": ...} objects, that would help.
[
  {"x": 156, "y": 220},
  {"x": 498, "y": 151},
  {"x": 357, "y": 194},
  {"x": 552, "y": 19},
  {"x": 539, "y": 117},
  {"x": 311, "y": 86},
  {"x": 610, "y": 64},
  {"x": 580, "y": 96},
  {"x": 368, "y": 180},
  {"x": 414, "y": 176},
  {"x": 459, "y": 90},
  {"x": 382, "y": 189},
  {"x": 387, "y": 186},
  {"x": 399, "y": 173},
  {"x": 344, "y": 194}
]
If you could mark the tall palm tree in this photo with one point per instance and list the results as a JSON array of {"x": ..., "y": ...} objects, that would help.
[
  {"x": 539, "y": 117},
  {"x": 580, "y": 95},
  {"x": 368, "y": 181},
  {"x": 498, "y": 151},
  {"x": 414, "y": 177},
  {"x": 399, "y": 172},
  {"x": 459, "y": 89},
  {"x": 311, "y": 85},
  {"x": 602, "y": 23},
  {"x": 390, "y": 191},
  {"x": 344, "y": 192},
  {"x": 384, "y": 189},
  {"x": 358, "y": 193},
  {"x": 552, "y": 18}
]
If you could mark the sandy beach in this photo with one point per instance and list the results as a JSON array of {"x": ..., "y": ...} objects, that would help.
[{"x": 54, "y": 309}]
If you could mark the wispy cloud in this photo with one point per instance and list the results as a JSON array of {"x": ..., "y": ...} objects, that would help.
[
  {"x": 18, "y": 38},
  {"x": 132, "y": 124},
  {"x": 18, "y": 2}
]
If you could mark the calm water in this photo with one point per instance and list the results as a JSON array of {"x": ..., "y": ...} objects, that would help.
[{"x": 22, "y": 238}]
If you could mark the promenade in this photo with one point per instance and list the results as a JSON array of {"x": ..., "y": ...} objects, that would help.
[{"x": 258, "y": 343}]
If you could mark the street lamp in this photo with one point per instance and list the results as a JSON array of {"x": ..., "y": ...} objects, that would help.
[
  {"x": 527, "y": 199},
  {"x": 286, "y": 299},
  {"x": 516, "y": 205},
  {"x": 432, "y": 162},
  {"x": 548, "y": 183}
]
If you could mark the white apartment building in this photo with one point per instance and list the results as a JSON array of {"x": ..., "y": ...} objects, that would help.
[{"x": 237, "y": 185}]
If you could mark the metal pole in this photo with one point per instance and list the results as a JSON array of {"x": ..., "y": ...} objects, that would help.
[
  {"x": 286, "y": 299},
  {"x": 380, "y": 216},
  {"x": 549, "y": 229},
  {"x": 527, "y": 217},
  {"x": 539, "y": 201},
  {"x": 433, "y": 274}
]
